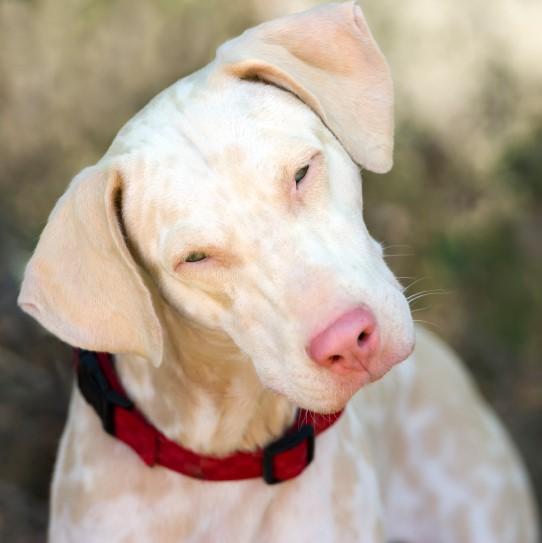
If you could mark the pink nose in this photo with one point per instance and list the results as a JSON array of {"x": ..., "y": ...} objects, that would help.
[{"x": 347, "y": 344}]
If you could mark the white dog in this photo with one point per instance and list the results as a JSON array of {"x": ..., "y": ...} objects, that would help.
[{"x": 218, "y": 250}]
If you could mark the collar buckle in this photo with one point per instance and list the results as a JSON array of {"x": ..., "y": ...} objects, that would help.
[
  {"x": 97, "y": 390},
  {"x": 290, "y": 441}
]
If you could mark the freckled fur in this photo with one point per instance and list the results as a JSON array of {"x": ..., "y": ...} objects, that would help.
[{"x": 214, "y": 353}]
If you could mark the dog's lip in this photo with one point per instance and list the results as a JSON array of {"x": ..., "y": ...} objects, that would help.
[
  {"x": 351, "y": 381},
  {"x": 387, "y": 360},
  {"x": 347, "y": 383},
  {"x": 353, "y": 371}
]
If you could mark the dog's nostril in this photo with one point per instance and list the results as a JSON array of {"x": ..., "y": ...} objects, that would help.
[{"x": 362, "y": 337}]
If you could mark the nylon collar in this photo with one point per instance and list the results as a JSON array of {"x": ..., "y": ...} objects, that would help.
[{"x": 279, "y": 461}]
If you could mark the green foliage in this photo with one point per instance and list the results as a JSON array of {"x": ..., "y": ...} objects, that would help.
[
  {"x": 488, "y": 268},
  {"x": 522, "y": 166}
]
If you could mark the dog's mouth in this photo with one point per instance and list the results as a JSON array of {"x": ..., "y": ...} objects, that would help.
[{"x": 333, "y": 384}]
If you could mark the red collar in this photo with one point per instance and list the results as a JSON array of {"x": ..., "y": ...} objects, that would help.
[{"x": 277, "y": 462}]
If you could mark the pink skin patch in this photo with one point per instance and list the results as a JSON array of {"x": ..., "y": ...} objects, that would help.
[{"x": 347, "y": 345}]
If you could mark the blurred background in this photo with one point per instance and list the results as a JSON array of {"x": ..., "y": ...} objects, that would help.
[{"x": 460, "y": 213}]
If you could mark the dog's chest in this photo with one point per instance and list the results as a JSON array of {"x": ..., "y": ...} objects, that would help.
[{"x": 107, "y": 494}]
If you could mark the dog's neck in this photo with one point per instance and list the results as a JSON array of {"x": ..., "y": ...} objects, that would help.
[{"x": 206, "y": 395}]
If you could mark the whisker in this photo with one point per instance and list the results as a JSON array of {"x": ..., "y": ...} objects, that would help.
[
  {"x": 425, "y": 293},
  {"x": 438, "y": 327},
  {"x": 425, "y": 308},
  {"x": 395, "y": 245},
  {"x": 413, "y": 283},
  {"x": 398, "y": 254}
]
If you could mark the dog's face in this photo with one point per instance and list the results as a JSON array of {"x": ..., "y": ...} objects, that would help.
[
  {"x": 244, "y": 206},
  {"x": 237, "y": 242}
]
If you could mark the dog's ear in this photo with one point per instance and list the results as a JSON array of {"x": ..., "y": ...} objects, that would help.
[
  {"x": 329, "y": 59},
  {"x": 82, "y": 283}
]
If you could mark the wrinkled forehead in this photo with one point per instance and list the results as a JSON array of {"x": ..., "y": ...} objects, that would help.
[
  {"x": 240, "y": 129},
  {"x": 260, "y": 119},
  {"x": 212, "y": 153}
]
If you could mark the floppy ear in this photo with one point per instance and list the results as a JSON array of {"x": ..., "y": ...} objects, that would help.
[
  {"x": 329, "y": 59},
  {"x": 82, "y": 283}
]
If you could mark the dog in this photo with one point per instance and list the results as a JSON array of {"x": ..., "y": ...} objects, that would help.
[{"x": 218, "y": 250}]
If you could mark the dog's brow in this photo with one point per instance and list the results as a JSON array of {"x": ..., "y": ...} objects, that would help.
[{"x": 193, "y": 145}]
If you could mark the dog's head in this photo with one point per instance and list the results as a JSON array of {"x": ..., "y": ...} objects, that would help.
[{"x": 237, "y": 193}]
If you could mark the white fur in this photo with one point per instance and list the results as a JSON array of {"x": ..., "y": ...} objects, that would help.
[{"x": 208, "y": 166}]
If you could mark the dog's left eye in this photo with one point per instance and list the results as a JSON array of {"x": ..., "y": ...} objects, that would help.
[
  {"x": 300, "y": 174},
  {"x": 195, "y": 256}
]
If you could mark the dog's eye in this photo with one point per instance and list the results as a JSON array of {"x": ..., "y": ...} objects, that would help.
[
  {"x": 195, "y": 256},
  {"x": 300, "y": 174}
]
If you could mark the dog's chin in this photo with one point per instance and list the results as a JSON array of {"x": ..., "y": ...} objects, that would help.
[
  {"x": 337, "y": 391},
  {"x": 327, "y": 394}
]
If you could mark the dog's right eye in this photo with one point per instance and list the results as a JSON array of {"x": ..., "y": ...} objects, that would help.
[
  {"x": 195, "y": 256},
  {"x": 300, "y": 174}
]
